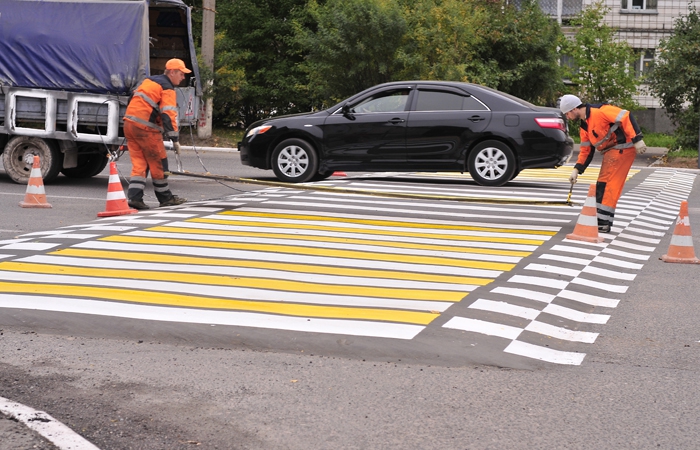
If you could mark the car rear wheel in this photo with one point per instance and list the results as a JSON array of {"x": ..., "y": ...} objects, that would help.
[
  {"x": 18, "y": 158},
  {"x": 294, "y": 161},
  {"x": 492, "y": 163}
]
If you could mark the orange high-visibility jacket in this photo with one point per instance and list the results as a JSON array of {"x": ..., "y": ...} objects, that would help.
[
  {"x": 154, "y": 106},
  {"x": 606, "y": 127}
]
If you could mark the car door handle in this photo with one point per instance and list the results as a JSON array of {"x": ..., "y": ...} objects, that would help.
[
  {"x": 477, "y": 118},
  {"x": 396, "y": 120}
]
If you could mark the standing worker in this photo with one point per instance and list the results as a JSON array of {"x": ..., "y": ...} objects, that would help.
[
  {"x": 613, "y": 132},
  {"x": 150, "y": 117}
]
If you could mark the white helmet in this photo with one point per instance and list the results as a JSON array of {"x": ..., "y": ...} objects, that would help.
[{"x": 568, "y": 102}]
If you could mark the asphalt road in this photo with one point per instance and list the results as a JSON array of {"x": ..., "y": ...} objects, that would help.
[{"x": 636, "y": 388}]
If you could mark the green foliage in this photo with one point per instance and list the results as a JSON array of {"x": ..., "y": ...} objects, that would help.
[
  {"x": 676, "y": 78},
  {"x": 256, "y": 74},
  {"x": 352, "y": 46},
  {"x": 602, "y": 64}
]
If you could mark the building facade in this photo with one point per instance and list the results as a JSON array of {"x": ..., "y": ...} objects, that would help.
[{"x": 642, "y": 24}]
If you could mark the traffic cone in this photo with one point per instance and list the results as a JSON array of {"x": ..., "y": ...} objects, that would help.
[
  {"x": 681, "y": 249},
  {"x": 339, "y": 174},
  {"x": 116, "y": 201},
  {"x": 35, "y": 196},
  {"x": 587, "y": 226}
]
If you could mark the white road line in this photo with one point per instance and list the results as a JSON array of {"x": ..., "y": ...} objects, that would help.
[
  {"x": 572, "y": 314},
  {"x": 525, "y": 293},
  {"x": 505, "y": 308},
  {"x": 237, "y": 271},
  {"x": 225, "y": 292},
  {"x": 218, "y": 317},
  {"x": 483, "y": 327},
  {"x": 31, "y": 246},
  {"x": 282, "y": 257},
  {"x": 54, "y": 431},
  {"x": 619, "y": 289},
  {"x": 588, "y": 299},
  {"x": 544, "y": 353},
  {"x": 377, "y": 248},
  {"x": 561, "y": 333},
  {"x": 379, "y": 238},
  {"x": 609, "y": 273},
  {"x": 539, "y": 281}
]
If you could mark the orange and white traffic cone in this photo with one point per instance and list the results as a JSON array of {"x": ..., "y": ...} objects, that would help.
[
  {"x": 116, "y": 200},
  {"x": 35, "y": 196},
  {"x": 587, "y": 226},
  {"x": 681, "y": 249}
]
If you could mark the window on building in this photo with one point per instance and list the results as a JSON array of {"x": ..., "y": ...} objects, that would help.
[
  {"x": 638, "y": 5},
  {"x": 644, "y": 64}
]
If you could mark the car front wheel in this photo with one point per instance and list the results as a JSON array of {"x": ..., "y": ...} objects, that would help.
[
  {"x": 294, "y": 161},
  {"x": 492, "y": 163}
]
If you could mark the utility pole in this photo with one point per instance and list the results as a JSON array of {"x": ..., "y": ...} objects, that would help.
[{"x": 208, "y": 20}]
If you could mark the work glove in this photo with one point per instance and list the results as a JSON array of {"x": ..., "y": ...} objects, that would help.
[
  {"x": 640, "y": 146},
  {"x": 176, "y": 147},
  {"x": 573, "y": 177}
]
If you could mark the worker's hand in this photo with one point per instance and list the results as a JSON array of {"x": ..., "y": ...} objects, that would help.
[
  {"x": 573, "y": 177},
  {"x": 176, "y": 147},
  {"x": 640, "y": 146}
]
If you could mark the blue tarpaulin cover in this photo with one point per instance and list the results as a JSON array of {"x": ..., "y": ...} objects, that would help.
[{"x": 74, "y": 45}]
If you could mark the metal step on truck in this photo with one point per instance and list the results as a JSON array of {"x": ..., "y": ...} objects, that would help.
[{"x": 68, "y": 69}]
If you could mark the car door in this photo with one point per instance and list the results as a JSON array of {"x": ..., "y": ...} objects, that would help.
[
  {"x": 442, "y": 123},
  {"x": 370, "y": 133}
]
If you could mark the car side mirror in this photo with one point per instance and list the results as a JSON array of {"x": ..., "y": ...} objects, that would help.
[{"x": 347, "y": 112}]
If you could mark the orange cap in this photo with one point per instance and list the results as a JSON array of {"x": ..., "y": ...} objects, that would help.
[{"x": 177, "y": 64}]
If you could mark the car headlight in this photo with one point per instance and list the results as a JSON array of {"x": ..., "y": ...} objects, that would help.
[{"x": 258, "y": 130}]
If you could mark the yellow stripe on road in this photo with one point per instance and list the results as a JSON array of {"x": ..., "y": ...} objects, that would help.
[
  {"x": 281, "y": 266},
  {"x": 300, "y": 250},
  {"x": 384, "y": 223},
  {"x": 219, "y": 280},
  {"x": 191, "y": 301},
  {"x": 340, "y": 240}
]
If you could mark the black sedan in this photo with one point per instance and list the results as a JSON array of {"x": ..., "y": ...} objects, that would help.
[{"x": 413, "y": 126}]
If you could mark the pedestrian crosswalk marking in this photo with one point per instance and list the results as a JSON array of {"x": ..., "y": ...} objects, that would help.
[
  {"x": 198, "y": 301},
  {"x": 47, "y": 268},
  {"x": 283, "y": 269},
  {"x": 188, "y": 240}
]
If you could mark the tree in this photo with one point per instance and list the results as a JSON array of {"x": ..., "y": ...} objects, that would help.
[
  {"x": 522, "y": 44},
  {"x": 602, "y": 65},
  {"x": 256, "y": 72},
  {"x": 676, "y": 78},
  {"x": 351, "y": 45}
]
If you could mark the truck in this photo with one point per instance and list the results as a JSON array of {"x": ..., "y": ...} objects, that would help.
[{"x": 68, "y": 69}]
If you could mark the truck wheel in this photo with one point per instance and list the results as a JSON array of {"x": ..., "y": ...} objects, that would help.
[
  {"x": 18, "y": 158},
  {"x": 294, "y": 161},
  {"x": 89, "y": 165},
  {"x": 492, "y": 163}
]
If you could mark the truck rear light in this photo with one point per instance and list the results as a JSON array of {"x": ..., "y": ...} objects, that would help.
[{"x": 551, "y": 122}]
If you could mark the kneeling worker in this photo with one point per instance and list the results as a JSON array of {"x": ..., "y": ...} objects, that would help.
[
  {"x": 150, "y": 117},
  {"x": 613, "y": 132}
]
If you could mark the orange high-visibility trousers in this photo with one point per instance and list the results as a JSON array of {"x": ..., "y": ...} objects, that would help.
[
  {"x": 611, "y": 180},
  {"x": 147, "y": 153}
]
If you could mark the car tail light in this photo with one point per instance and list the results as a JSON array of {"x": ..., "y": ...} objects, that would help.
[{"x": 551, "y": 122}]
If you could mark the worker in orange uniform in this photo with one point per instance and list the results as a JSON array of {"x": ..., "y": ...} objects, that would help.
[
  {"x": 614, "y": 133},
  {"x": 150, "y": 117}
]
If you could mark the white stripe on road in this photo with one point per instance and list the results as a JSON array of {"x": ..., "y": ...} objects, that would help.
[
  {"x": 54, "y": 431},
  {"x": 217, "y": 317},
  {"x": 544, "y": 353}
]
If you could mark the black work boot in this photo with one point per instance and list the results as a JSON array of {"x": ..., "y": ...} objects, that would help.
[
  {"x": 173, "y": 201},
  {"x": 604, "y": 228},
  {"x": 138, "y": 204}
]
